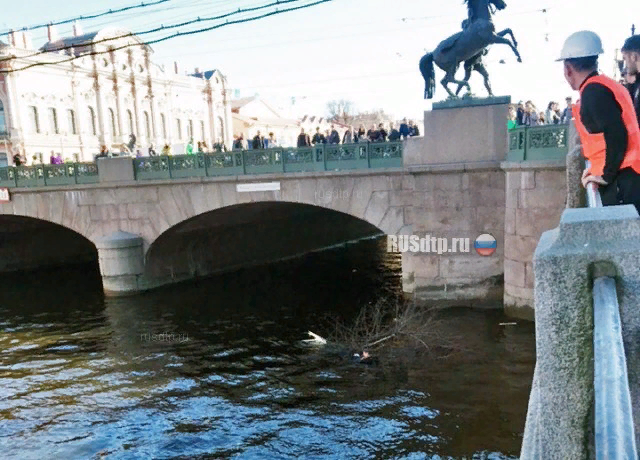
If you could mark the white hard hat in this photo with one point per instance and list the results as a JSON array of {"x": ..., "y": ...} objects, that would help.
[{"x": 581, "y": 44}]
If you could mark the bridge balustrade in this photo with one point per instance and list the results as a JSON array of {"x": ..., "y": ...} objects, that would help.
[
  {"x": 41, "y": 175},
  {"x": 544, "y": 142},
  {"x": 276, "y": 160}
]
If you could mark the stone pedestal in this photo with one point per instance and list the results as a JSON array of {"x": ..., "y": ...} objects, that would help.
[
  {"x": 117, "y": 169},
  {"x": 535, "y": 199},
  {"x": 463, "y": 131},
  {"x": 121, "y": 263},
  {"x": 566, "y": 261}
]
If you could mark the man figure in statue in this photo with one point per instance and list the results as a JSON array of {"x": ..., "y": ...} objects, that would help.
[
  {"x": 475, "y": 63},
  {"x": 606, "y": 122}
]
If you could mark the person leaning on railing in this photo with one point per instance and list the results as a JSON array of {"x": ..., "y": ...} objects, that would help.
[{"x": 606, "y": 122}]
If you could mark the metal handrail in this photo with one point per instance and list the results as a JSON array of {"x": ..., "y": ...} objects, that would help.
[{"x": 614, "y": 427}]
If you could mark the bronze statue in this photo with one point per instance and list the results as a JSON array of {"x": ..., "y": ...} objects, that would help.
[
  {"x": 467, "y": 46},
  {"x": 475, "y": 63}
]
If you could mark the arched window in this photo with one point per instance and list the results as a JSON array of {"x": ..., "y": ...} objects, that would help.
[
  {"x": 179, "y": 126},
  {"x": 112, "y": 118},
  {"x": 130, "y": 118},
  {"x": 163, "y": 121},
  {"x": 3, "y": 121},
  {"x": 147, "y": 125},
  {"x": 220, "y": 130},
  {"x": 53, "y": 120},
  {"x": 92, "y": 119},
  {"x": 35, "y": 119},
  {"x": 190, "y": 130},
  {"x": 71, "y": 115}
]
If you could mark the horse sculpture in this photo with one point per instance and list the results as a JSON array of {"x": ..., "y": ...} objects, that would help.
[{"x": 466, "y": 46}]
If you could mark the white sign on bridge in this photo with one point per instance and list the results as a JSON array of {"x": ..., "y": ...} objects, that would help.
[
  {"x": 4, "y": 195},
  {"x": 259, "y": 187}
]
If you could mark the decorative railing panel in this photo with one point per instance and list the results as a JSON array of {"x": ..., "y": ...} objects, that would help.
[
  {"x": 41, "y": 175},
  {"x": 152, "y": 167},
  {"x": 546, "y": 142}
]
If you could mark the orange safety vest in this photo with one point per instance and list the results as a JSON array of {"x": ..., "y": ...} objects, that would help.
[{"x": 594, "y": 147}]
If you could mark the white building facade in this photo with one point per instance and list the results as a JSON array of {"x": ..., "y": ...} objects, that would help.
[{"x": 51, "y": 102}]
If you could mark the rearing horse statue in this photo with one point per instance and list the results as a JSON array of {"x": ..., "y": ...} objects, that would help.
[{"x": 478, "y": 34}]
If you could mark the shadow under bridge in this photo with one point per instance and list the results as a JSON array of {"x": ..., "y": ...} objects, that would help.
[{"x": 249, "y": 234}]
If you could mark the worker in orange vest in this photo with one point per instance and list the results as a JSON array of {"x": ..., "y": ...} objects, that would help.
[{"x": 606, "y": 121}]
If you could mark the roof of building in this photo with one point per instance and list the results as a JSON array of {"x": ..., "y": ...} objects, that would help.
[
  {"x": 80, "y": 40},
  {"x": 107, "y": 34},
  {"x": 241, "y": 102},
  {"x": 207, "y": 74}
]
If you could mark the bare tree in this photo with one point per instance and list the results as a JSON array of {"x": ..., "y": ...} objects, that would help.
[{"x": 340, "y": 111}]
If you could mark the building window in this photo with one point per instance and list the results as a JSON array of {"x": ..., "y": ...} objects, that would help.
[
  {"x": 35, "y": 121},
  {"x": 179, "y": 126},
  {"x": 72, "y": 121},
  {"x": 53, "y": 120},
  {"x": 3, "y": 121},
  {"x": 163, "y": 120},
  {"x": 202, "y": 133},
  {"x": 112, "y": 118},
  {"x": 190, "y": 129},
  {"x": 220, "y": 130},
  {"x": 130, "y": 117},
  {"x": 92, "y": 117},
  {"x": 147, "y": 125}
]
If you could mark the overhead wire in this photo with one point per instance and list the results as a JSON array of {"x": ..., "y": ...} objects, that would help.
[
  {"x": 159, "y": 29},
  {"x": 168, "y": 37},
  {"x": 91, "y": 16},
  {"x": 330, "y": 37}
]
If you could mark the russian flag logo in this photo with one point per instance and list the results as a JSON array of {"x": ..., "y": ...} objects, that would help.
[{"x": 485, "y": 244}]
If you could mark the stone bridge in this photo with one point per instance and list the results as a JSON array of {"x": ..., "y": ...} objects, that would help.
[{"x": 154, "y": 226}]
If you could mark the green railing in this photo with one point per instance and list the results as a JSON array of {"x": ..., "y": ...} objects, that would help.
[
  {"x": 40, "y": 175},
  {"x": 547, "y": 142},
  {"x": 278, "y": 160}
]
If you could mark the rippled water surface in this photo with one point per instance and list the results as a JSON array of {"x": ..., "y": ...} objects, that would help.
[{"x": 215, "y": 369}]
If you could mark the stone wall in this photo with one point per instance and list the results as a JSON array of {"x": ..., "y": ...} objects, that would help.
[
  {"x": 535, "y": 199},
  {"x": 456, "y": 201}
]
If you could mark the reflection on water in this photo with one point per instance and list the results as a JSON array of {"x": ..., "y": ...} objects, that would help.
[{"x": 215, "y": 369}]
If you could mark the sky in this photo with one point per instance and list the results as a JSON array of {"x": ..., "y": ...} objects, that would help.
[{"x": 364, "y": 51}]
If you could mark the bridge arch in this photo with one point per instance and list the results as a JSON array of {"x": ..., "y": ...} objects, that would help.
[
  {"x": 249, "y": 234},
  {"x": 30, "y": 243}
]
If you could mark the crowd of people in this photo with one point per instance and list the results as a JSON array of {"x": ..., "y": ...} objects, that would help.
[
  {"x": 527, "y": 114},
  {"x": 380, "y": 133}
]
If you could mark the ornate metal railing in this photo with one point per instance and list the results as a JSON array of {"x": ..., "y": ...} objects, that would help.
[
  {"x": 277, "y": 160},
  {"x": 41, "y": 175},
  {"x": 546, "y": 142}
]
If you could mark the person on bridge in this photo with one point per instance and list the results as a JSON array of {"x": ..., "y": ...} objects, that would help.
[
  {"x": 606, "y": 122},
  {"x": 631, "y": 56}
]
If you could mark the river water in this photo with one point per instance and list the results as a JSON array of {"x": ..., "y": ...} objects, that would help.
[{"x": 215, "y": 369}]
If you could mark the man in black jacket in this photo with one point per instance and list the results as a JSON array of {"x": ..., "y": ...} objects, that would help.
[{"x": 631, "y": 57}]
